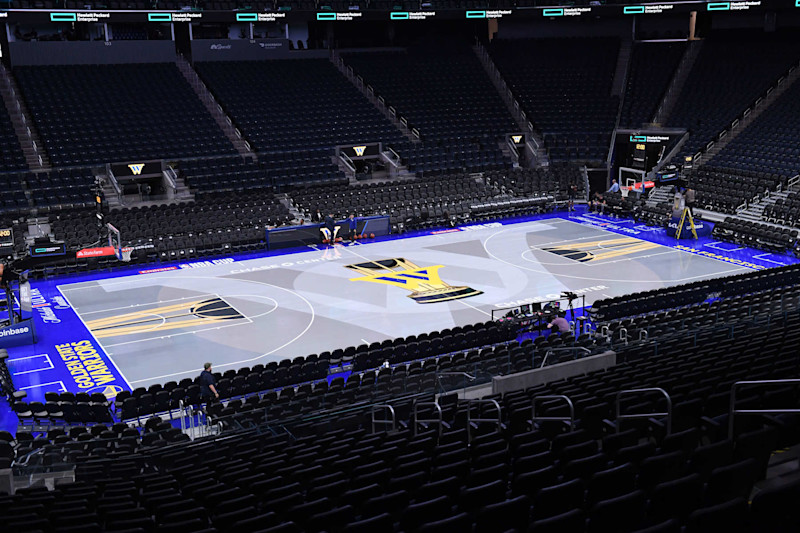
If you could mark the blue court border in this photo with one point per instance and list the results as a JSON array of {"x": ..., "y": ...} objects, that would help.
[{"x": 66, "y": 356}]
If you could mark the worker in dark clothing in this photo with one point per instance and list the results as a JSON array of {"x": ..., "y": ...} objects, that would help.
[
  {"x": 329, "y": 230},
  {"x": 208, "y": 384},
  {"x": 353, "y": 226}
]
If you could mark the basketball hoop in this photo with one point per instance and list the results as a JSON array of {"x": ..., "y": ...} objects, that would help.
[{"x": 125, "y": 254}]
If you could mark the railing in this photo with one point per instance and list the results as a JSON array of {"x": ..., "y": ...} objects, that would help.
[
  {"x": 347, "y": 162},
  {"x": 393, "y": 158},
  {"x": 416, "y": 420},
  {"x": 621, "y": 417},
  {"x": 477, "y": 403},
  {"x": 513, "y": 149},
  {"x": 733, "y": 411},
  {"x": 576, "y": 349},
  {"x": 385, "y": 408},
  {"x": 114, "y": 183},
  {"x": 521, "y": 117},
  {"x": 441, "y": 388},
  {"x": 171, "y": 179},
  {"x": 570, "y": 420}
]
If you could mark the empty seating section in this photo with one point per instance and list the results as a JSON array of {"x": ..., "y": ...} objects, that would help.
[
  {"x": 336, "y": 474},
  {"x": 564, "y": 86},
  {"x": 452, "y": 155},
  {"x": 431, "y": 200},
  {"x": 295, "y": 105},
  {"x": 90, "y": 114},
  {"x": 785, "y": 211},
  {"x": 555, "y": 181},
  {"x": 756, "y": 235},
  {"x": 13, "y": 201},
  {"x": 725, "y": 189},
  {"x": 12, "y": 156},
  {"x": 445, "y": 93},
  {"x": 279, "y": 170},
  {"x": 443, "y": 90},
  {"x": 651, "y": 69},
  {"x": 62, "y": 189},
  {"x": 727, "y": 77},
  {"x": 769, "y": 144},
  {"x": 224, "y": 223},
  {"x": 692, "y": 293}
]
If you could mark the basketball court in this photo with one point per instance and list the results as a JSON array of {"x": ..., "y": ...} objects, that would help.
[{"x": 163, "y": 326}]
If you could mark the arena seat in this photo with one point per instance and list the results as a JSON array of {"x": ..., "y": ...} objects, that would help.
[
  {"x": 651, "y": 69},
  {"x": 265, "y": 98},
  {"x": 729, "y": 74},
  {"x": 564, "y": 86},
  {"x": 88, "y": 114}
]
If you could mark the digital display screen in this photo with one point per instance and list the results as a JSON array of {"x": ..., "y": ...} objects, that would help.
[
  {"x": 48, "y": 250},
  {"x": 6, "y": 237}
]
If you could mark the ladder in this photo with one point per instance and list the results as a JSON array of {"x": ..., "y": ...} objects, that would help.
[{"x": 686, "y": 213}]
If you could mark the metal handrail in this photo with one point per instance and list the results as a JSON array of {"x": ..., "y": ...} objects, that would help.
[
  {"x": 347, "y": 161},
  {"x": 668, "y": 413},
  {"x": 384, "y": 408},
  {"x": 190, "y": 427},
  {"x": 733, "y": 411},
  {"x": 417, "y": 420},
  {"x": 470, "y": 420},
  {"x": 183, "y": 414},
  {"x": 570, "y": 419},
  {"x": 469, "y": 377}
]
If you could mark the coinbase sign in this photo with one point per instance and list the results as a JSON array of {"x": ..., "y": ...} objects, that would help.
[{"x": 17, "y": 334}]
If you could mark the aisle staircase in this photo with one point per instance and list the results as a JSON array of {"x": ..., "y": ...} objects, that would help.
[
  {"x": 621, "y": 71},
  {"x": 214, "y": 108},
  {"x": 675, "y": 87},
  {"x": 761, "y": 105},
  {"x": 365, "y": 89},
  {"x": 659, "y": 195},
  {"x": 535, "y": 141}
]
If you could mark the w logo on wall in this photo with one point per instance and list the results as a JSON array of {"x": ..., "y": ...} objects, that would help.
[
  {"x": 424, "y": 282},
  {"x": 136, "y": 168},
  {"x": 359, "y": 150},
  {"x": 516, "y": 138}
]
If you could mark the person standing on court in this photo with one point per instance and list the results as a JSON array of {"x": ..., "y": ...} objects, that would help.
[
  {"x": 330, "y": 225},
  {"x": 689, "y": 197},
  {"x": 353, "y": 223},
  {"x": 572, "y": 193},
  {"x": 208, "y": 384}
]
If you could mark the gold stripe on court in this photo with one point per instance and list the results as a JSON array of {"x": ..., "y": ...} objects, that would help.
[{"x": 601, "y": 249}]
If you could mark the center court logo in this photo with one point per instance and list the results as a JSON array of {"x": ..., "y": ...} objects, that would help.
[
  {"x": 359, "y": 150},
  {"x": 424, "y": 282},
  {"x": 136, "y": 168}
]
